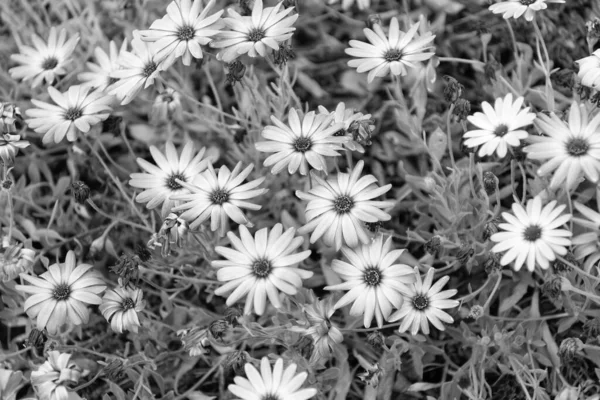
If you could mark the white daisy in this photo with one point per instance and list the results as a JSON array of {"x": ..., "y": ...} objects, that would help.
[
  {"x": 219, "y": 197},
  {"x": 499, "y": 127},
  {"x": 99, "y": 73},
  {"x": 375, "y": 284},
  {"x": 160, "y": 181},
  {"x": 120, "y": 306},
  {"x": 52, "y": 380},
  {"x": 350, "y": 121},
  {"x": 138, "y": 70},
  {"x": 516, "y": 8},
  {"x": 346, "y": 4},
  {"x": 589, "y": 70},
  {"x": 339, "y": 207},
  {"x": 61, "y": 295},
  {"x": 570, "y": 150},
  {"x": 278, "y": 384},
  {"x": 46, "y": 61},
  {"x": 532, "y": 234},
  {"x": 182, "y": 31},
  {"x": 76, "y": 110},
  {"x": 254, "y": 35},
  {"x": 384, "y": 54},
  {"x": 587, "y": 244},
  {"x": 260, "y": 267},
  {"x": 301, "y": 143},
  {"x": 423, "y": 304}
]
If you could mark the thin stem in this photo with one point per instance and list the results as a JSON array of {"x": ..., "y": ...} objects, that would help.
[
  {"x": 88, "y": 383},
  {"x": 493, "y": 292},
  {"x": 16, "y": 353},
  {"x": 449, "y": 134},
  {"x": 461, "y": 60}
]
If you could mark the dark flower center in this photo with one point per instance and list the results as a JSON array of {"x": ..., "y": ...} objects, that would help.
[
  {"x": 392, "y": 55},
  {"x": 343, "y": 204},
  {"x": 127, "y": 304},
  {"x": 49, "y": 63},
  {"x": 302, "y": 144},
  {"x": 532, "y": 233},
  {"x": 501, "y": 130},
  {"x": 255, "y": 35},
  {"x": 73, "y": 113},
  {"x": 172, "y": 183},
  {"x": 420, "y": 302},
  {"x": 61, "y": 292},
  {"x": 577, "y": 147},
  {"x": 527, "y": 2},
  {"x": 186, "y": 33},
  {"x": 372, "y": 276},
  {"x": 219, "y": 196},
  {"x": 261, "y": 268},
  {"x": 270, "y": 396},
  {"x": 341, "y": 132},
  {"x": 149, "y": 69}
]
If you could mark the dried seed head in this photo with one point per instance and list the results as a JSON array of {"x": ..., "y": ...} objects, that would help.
[{"x": 476, "y": 312}]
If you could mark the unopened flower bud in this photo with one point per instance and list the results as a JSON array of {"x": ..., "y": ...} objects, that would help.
[
  {"x": 453, "y": 90},
  {"x": 489, "y": 229},
  {"x": 235, "y": 72},
  {"x": 114, "y": 369},
  {"x": 373, "y": 226},
  {"x": 564, "y": 78},
  {"x": 218, "y": 328},
  {"x": 304, "y": 346},
  {"x": 476, "y": 312},
  {"x": 36, "y": 340},
  {"x": 490, "y": 182},
  {"x": 434, "y": 245},
  {"x": 376, "y": 339},
  {"x": 569, "y": 348},
  {"x": 235, "y": 361},
  {"x": 143, "y": 253},
  {"x": 80, "y": 191},
  {"x": 492, "y": 264},
  {"x": 462, "y": 109},
  {"x": 284, "y": 54},
  {"x": 593, "y": 31},
  {"x": 232, "y": 314},
  {"x": 562, "y": 267},
  {"x": 464, "y": 254},
  {"x": 591, "y": 328},
  {"x": 552, "y": 288}
]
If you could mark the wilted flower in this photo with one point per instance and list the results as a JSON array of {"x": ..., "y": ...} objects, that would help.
[
  {"x": 9, "y": 115},
  {"x": 173, "y": 231},
  {"x": 14, "y": 261},
  {"x": 462, "y": 109},
  {"x": 50, "y": 381},
  {"x": 126, "y": 268},
  {"x": 9, "y": 147},
  {"x": 489, "y": 229},
  {"x": 371, "y": 375}
]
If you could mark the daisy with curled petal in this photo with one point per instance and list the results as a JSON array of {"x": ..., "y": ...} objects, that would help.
[
  {"x": 349, "y": 120},
  {"x": 423, "y": 304},
  {"x": 260, "y": 267},
  {"x": 138, "y": 70},
  {"x": 219, "y": 197},
  {"x": 587, "y": 244},
  {"x": 61, "y": 295},
  {"x": 500, "y": 127},
  {"x": 76, "y": 110},
  {"x": 516, "y": 8},
  {"x": 589, "y": 70},
  {"x": 160, "y": 181},
  {"x": 384, "y": 54},
  {"x": 375, "y": 284},
  {"x": 570, "y": 150},
  {"x": 47, "y": 60},
  {"x": 532, "y": 235},
  {"x": 9, "y": 147},
  {"x": 339, "y": 207},
  {"x": 300, "y": 144},
  {"x": 278, "y": 384},
  {"x": 182, "y": 31},
  {"x": 99, "y": 73},
  {"x": 51, "y": 380},
  {"x": 120, "y": 306},
  {"x": 255, "y": 34}
]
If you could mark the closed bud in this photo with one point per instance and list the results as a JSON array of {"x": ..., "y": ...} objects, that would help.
[
  {"x": 593, "y": 31},
  {"x": 569, "y": 348},
  {"x": 235, "y": 362},
  {"x": 235, "y": 72},
  {"x": 462, "y": 109},
  {"x": 562, "y": 267},
  {"x": 284, "y": 54},
  {"x": 36, "y": 340},
  {"x": 564, "y": 78},
  {"x": 372, "y": 20},
  {"x": 552, "y": 287},
  {"x": 490, "y": 183},
  {"x": 232, "y": 314},
  {"x": 373, "y": 226},
  {"x": 114, "y": 369},
  {"x": 591, "y": 328},
  {"x": 489, "y": 229},
  {"x": 376, "y": 339},
  {"x": 143, "y": 253},
  {"x": 464, "y": 254},
  {"x": 453, "y": 90},
  {"x": 434, "y": 245},
  {"x": 126, "y": 269},
  {"x": 218, "y": 328},
  {"x": 10, "y": 118},
  {"x": 492, "y": 264},
  {"x": 80, "y": 191}
]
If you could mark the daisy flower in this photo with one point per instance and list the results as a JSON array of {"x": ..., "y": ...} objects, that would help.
[
  {"x": 99, "y": 73},
  {"x": 138, "y": 70},
  {"x": 255, "y": 34},
  {"x": 14, "y": 261},
  {"x": 350, "y": 121},
  {"x": 589, "y": 70},
  {"x": 50, "y": 381},
  {"x": 570, "y": 150},
  {"x": 9, "y": 147},
  {"x": 339, "y": 207},
  {"x": 61, "y": 295},
  {"x": 532, "y": 235},
  {"x": 375, "y": 284},
  {"x": 160, "y": 181},
  {"x": 301, "y": 143},
  {"x": 260, "y": 267},
  {"x": 182, "y": 31},
  {"x": 423, "y": 304},
  {"x": 45, "y": 61},
  {"x": 278, "y": 384},
  {"x": 9, "y": 115},
  {"x": 76, "y": 110},
  {"x": 384, "y": 54},
  {"x": 219, "y": 197},
  {"x": 587, "y": 244},
  {"x": 516, "y": 8},
  {"x": 120, "y": 306},
  {"x": 499, "y": 127}
]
